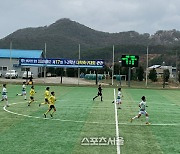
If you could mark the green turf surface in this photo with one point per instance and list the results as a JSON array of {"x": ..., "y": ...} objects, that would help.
[{"x": 79, "y": 117}]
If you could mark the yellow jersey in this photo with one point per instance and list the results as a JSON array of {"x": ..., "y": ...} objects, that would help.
[
  {"x": 47, "y": 94},
  {"x": 32, "y": 92},
  {"x": 52, "y": 100}
]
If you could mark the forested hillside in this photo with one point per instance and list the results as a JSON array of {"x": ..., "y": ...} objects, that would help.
[{"x": 64, "y": 36}]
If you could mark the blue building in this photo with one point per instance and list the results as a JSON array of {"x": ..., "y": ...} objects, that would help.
[{"x": 9, "y": 60}]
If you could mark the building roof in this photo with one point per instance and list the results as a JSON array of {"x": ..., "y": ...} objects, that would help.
[
  {"x": 162, "y": 67},
  {"x": 155, "y": 66},
  {"x": 15, "y": 53}
]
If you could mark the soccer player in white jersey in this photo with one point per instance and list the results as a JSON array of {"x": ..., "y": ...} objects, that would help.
[
  {"x": 23, "y": 91},
  {"x": 142, "y": 106},
  {"x": 118, "y": 100},
  {"x": 4, "y": 95}
]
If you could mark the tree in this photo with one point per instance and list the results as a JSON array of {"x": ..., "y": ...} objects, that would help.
[
  {"x": 179, "y": 76},
  {"x": 72, "y": 72},
  {"x": 166, "y": 75},
  {"x": 116, "y": 68},
  {"x": 125, "y": 71},
  {"x": 140, "y": 73},
  {"x": 153, "y": 75}
]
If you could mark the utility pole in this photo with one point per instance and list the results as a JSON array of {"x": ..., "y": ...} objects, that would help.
[
  {"x": 10, "y": 58},
  {"x": 176, "y": 67},
  {"x": 113, "y": 66},
  {"x": 147, "y": 66},
  {"x": 79, "y": 59},
  {"x": 129, "y": 76},
  {"x": 45, "y": 64},
  {"x": 163, "y": 74}
]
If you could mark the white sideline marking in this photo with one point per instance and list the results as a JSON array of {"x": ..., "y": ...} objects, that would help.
[
  {"x": 65, "y": 120},
  {"x": 117, "y": 128}
]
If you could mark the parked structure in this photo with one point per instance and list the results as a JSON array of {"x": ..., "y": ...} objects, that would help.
[
  {"x": 159, "y": 69},
  {"x": 9, "y": 60}
]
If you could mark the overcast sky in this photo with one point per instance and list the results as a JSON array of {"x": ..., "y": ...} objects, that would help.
[{"x": 143, "y": 16}]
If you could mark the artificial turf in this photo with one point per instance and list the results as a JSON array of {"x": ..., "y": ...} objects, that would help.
[{"x": 79, "y": 117}]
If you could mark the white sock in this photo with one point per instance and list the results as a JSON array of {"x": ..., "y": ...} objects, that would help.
[
  {"x": 135, "y": 117},
  {"x": 147, "y": 119},
  {"x": 7, "y": 103}
]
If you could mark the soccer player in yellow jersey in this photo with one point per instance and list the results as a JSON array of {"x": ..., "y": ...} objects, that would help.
[
  {"x": 32, "y": 92},
  {"x": 47, "y": 96},
  {"x": 52, "y": 100}
]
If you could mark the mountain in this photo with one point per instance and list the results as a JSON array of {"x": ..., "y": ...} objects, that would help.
[{"x": 64, "y": 36}]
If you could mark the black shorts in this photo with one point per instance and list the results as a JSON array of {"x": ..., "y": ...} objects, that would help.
[
  {"x": 31, "y": 97},
  {"x": 46, "y": 100},
  {"x": 99, "y": 94},
  {"x": 52, "y": 107}
]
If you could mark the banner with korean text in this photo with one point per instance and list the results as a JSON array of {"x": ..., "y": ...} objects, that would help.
[{"x": 40, "y": 62}]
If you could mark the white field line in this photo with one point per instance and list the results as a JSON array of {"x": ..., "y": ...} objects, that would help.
[
  {"x": 93, "y": 122},
  {"x": 117, "y": 125},
  {"x": 64, "y": 120}
]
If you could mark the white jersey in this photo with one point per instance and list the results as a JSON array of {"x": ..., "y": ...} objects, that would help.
[
  {"x": 4, "y": 91},
  {"x": 119, "y": 95},
  {"x": 23, "y": 87},
  {"x": 142, "y": 106}
]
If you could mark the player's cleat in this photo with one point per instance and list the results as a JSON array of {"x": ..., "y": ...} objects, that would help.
[
  {"x": 25, "y": 99},
  {"x": 93, "y": 99},
  {"x": 16, "y": 94},
  {"x": 7, "y": 105},
  {"x": 119, "y": 108},
  {"x": 131, "y": 120},
  {"x": 44, "y": 115},
  {"x": 39, "y": 105},
  {"x": 112, "y": 101},
  {"x": 28, "y": 104},
  {"x": 147, "y": 123},
  {"x": 51, "y": 115}
]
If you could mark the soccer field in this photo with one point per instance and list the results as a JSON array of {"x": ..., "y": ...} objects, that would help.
[{"x": 83, "y": 126}]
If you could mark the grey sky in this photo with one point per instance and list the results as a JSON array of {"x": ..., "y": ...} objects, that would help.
[{"x": 143, "y": 16}]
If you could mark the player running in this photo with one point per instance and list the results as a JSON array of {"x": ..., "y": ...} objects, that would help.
[
  {"x": 4, "y": 95},
  {"x": 142, "y": 106},
  {"x": 118, "y": 100},
  {"x": 99, "y": 93},
  {"x": 32, "y": 92},
  {"x": 23, "y": 91},
  {"x": 52, "y": 100},
  {"x": 47, "y": 96}
]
